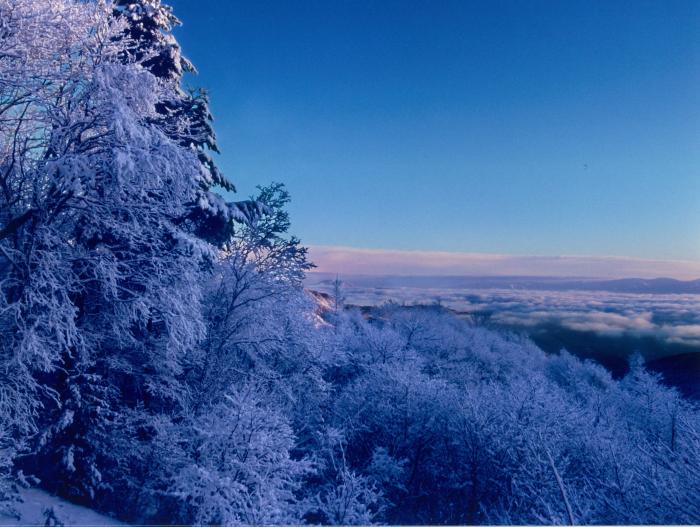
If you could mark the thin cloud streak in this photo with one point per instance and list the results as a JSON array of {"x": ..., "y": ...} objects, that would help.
[{"x": 359, "y": 261}]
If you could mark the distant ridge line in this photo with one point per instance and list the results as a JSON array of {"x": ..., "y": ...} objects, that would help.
[{"x": 618, "y": 285}]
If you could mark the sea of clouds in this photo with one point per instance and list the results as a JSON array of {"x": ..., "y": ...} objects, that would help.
[{"x": 671, "y": 318}]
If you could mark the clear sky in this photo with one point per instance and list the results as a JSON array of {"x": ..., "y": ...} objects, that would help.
[{"x": 521, "y": 128}]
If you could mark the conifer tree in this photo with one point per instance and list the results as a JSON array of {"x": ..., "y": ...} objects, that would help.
[{"x": 183, "y": 115}]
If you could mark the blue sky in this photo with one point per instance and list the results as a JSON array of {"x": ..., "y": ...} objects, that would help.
[{"x": 517, "y": 128}]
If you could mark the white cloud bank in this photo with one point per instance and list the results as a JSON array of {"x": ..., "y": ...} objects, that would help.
[
  {"x": 350, "y": 260},
  {"x": 670, "y": 318}
]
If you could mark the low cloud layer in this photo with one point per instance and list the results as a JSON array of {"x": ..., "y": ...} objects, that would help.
[
  {"x": 672, "y": 318},
  {"x": 349, "y": 261}
]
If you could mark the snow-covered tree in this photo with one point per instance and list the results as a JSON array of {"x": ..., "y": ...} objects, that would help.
[
  {"x": 54, "y": 127},
  {"x": 234, "y": 464},
  {"x": 182, "y": 115},
  {"x": 101, "y": 281}
]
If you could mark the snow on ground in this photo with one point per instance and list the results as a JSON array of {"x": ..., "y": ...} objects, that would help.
[{"x": 36, "y": 501}]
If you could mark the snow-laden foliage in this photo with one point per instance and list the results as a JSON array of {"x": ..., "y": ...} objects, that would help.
[
  {"x": 99, "y": 280},
  {"x": 477, "y": 427},
  {"x": 182, "y": 115},
  {"x": 99, "y": 284},
  {"x": 231, "y": 463},
  {"x": 162, "y": 366},
  {"x": 9, "y": 492}
]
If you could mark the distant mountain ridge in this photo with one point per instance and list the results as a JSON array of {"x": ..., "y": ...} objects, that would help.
[{"x": 622, "y": 285}]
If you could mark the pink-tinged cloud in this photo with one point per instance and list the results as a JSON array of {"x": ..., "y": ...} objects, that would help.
[{"x": 351, "y": 260}]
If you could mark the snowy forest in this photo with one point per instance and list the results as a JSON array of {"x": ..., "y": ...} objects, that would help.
[{"x": 162, "y": 363}]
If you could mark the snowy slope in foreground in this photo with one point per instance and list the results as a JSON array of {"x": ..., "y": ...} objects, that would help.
[{"x": 36, "y": 501}]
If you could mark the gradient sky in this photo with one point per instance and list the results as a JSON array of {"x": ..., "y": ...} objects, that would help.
[{"x": 526, "y": 128}]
